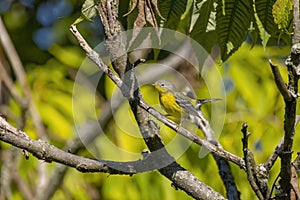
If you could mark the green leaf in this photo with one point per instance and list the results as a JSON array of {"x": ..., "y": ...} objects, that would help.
[
  {"x": 88, "y": 10},
  {"x": 269, "y": 30},
  {"x": 264, "y": 12},
  {"x": 78, "y": 20},
  {"x": 281, "y": 12},
  {"x": 204, "y": 28},
  {"x": 172, "y": 10},
  {"x": 131, "y": 19},
  {"x": 264, "y": 35},
  {"x": 185, "y": 22},
  {"x": 233, "y": 21},
  {"x": 70, "y": 56},
  {"x": 123, "y": 9}
]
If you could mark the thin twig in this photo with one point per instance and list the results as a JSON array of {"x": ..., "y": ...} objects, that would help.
[
  {"x": 294, "y": 181},
  {"x": 281, "y": 85},
  {"x": 250, "y": 163},
  {"x": 296, "y": 162},
  {"x": 273, "y": 157},
  {"x": 274, "y": 185}
]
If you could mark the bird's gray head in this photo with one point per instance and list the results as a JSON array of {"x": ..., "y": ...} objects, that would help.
[{"x": 164, "y": 86}]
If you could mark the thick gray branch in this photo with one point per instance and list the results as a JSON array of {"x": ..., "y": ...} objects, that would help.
[{"x": 44, "y": 151}]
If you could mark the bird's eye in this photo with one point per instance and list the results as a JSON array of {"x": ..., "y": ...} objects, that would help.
[{"x": 162, "y": 85}]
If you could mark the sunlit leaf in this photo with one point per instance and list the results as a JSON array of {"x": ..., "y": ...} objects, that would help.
[
  {"x": 264, "y": 35},
  {"x": 88, "y": 10},
  {"x": 78, "y": 20},
  {"x": 207, "y": 18},
  {"x": 281, "y": 12}
]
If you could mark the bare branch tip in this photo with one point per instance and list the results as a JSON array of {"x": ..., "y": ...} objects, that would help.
[
  {"x": 281, "y": 85},
  {"x": 244, "y": 129},
  {"x": 73, "y": 28},
  {"x": 244, "y": 125}
]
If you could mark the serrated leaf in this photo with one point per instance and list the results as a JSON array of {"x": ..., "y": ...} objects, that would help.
[
  {"x": 281, "y": 11},
  {"x": 264, "y": 12},
  {"x": 233, "y": 21},
  {"x": 229, "y": 46},
  {"x": 264, "y": 35},
  {"x": 206, "y": 19},
  {"x": 172, "y": 10},
  {"x": 185, "y": 23}
]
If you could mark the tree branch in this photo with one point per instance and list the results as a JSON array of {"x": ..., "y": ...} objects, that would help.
[
  {"x": 273, "y": 157},
  {"x": 292, "y": 64},
  {"x": 49, "y": 153},
  {"x": 294, "y": 178},
  {"x": 44, "y": 151},
  {"x": 146, "y": 125},
  {"x": 125, "y": 90},
  {"x": 293, "y": 67},
  {"x": 108, "y": 12},
  {"x": 252, "y": 168},
  {"x": 20, "y": 73},
  {"x": 280, "y": 82},
  {"x": 223, "y": 165},
  {"x": 148, "y": 128},
  {"x": 188, "y": 182},
  {"x": 173, "y": 61},
  {"x": 296, "y": 24}
]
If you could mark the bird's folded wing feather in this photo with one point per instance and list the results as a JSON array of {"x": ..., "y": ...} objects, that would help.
[{"x": 185, "y": 103}]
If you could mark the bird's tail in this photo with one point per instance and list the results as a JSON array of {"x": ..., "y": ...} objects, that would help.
[{"x": 200, "y": 102}]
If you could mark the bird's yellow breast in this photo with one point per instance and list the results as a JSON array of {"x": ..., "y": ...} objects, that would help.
[{"x": 168, "y": 101}]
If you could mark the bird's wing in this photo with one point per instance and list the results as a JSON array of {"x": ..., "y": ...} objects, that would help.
[{"x": 185, "y": 103}]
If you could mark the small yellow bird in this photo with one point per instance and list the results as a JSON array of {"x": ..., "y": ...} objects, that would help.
[{"x": 176, "y": 104}]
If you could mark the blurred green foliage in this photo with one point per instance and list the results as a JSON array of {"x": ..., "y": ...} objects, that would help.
[{"x": 251, "y": 96}]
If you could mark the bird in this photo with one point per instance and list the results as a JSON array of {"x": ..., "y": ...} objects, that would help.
[{"x": 176, "y": 104}]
